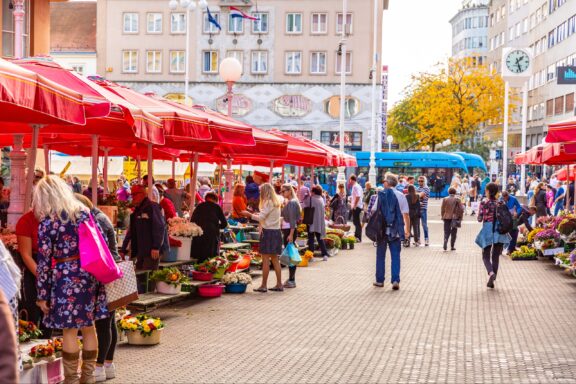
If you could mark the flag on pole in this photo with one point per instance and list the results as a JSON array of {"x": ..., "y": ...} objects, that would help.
[
  {"x": 235, "y": 12},
  {"x": 213, "y": 20}
]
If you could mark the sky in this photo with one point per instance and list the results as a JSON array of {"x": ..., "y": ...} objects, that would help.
[{"x": 417, "y": 35}]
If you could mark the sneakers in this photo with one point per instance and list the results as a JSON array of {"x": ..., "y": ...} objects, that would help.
[
  {"x": 325, "y": 258},
  {"x": 417, "y": 244},
  {"x": 395, "y": 285},
  {"x": 379, "y": 285},
  {"x": 110, "y": 371},
  {"x": 427, "y": 242},
  {"x": 290, "y": 284},
  {"x": 407, "y": 243},
  {"x": 100, "y": 374}
]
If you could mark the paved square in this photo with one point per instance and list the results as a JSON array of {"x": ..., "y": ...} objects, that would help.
[{"x": 443, "y": 325}]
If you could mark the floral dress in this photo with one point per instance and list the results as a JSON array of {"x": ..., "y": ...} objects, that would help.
[{"x": 75, "y": 298}]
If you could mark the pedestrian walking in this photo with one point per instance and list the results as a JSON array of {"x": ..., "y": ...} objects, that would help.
[
  {"x": 271, "y": 240},
  {"x": 391, "y": 181},
  {"x": 291, "y": 212},
  {"x": 210, "y": 217},
  {"x": 318, "y": 227},
  {"x": 70, "y": 298},
  {"x": 338, "y": 205},
  {"x": 356, "y": 206},
  {"x": 489, "y": 239},
  {"x": 540, "y": 201},
  {"x": 559, "y": 198},
  {"x": 424, "y": 192},
  {"x": 393, "y": 227},
  {"x": 515, "y": 209},
  {"x": 452, "y": 212},
  {"x": 414, "y": 212}
]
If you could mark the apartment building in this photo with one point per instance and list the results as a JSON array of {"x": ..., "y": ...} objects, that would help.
[
  {"x": 290, "y": 58},
  {"x": 36, "y": 36},
  {"x": 549, "y": 28},
  {"x": 470, "y": 32}
]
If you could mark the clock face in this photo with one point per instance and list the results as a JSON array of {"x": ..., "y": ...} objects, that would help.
[{"x": 517, "y": 61}]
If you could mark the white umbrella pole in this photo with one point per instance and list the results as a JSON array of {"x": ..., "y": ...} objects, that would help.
[
  {"x": 150, "y": 173},
  {"x": 312, "y": 183},
  {"x": 271, "y": 171},
  {"x": 174, "y": 168},
  {"x": 31, "y": 166},
  {"x": 94, "y": 181},
  {"x": 138, "y": 170},
  {"x": 193, "y": 180},
  {"x": 105, "y": 170},
  {"x": 46, "y": 159}
]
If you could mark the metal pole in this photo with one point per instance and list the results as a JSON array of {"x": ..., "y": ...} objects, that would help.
[
  {"x": 94, "y": 180},
  {"x": 193, "y": 178},
  {"x": 229, "y": 95},
  {"x": 138, "y": 170},
  {"x": 312, "y": 183},
  {"x": 150, "y": 172},
  {"x": 524, "y": 126},
  {"x": 373, "y": 140},
  {"x": 31, "y": 166},
  {"x": 505, "y": 138},
  {"x": 271, "y": 175},
  {"x": 187, "y": 61},
  {"x": 174, "y": 168},
  {"x": 341, "y": 175},
  {"x": 105, "y": 170},
  {"x": 46, "y": 158}
]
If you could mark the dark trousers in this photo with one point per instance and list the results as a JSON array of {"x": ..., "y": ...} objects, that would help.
[
  {"x": 28, "y": 303},
  {"x": 291, "y": 268},
  {"x": 107, "y": 334},
  {"x": 512, "y": 245},
  {"x": 491, "y": 257},
  {"x": 357, "y": 224},
  {"x": 449, "y": 233},
  {"x": 415, "y": 224},
  {"x": 320, "y": 242}
]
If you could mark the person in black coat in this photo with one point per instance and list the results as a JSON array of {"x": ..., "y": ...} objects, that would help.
[
  {"x": 148, "y": 235},
  {"x": 210, "y": 217}
]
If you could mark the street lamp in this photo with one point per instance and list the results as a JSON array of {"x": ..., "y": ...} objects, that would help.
[
  {"x": 389, "y": 140},
  {"x": 188, "y": 5},
  {"x": 230, "y": 71},
  {"x": 341, "y": 178}
]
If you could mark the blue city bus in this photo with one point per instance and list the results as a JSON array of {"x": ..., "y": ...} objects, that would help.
[
  {"x": 474, "y": 163},
  {"x": 434, "y": 165}
]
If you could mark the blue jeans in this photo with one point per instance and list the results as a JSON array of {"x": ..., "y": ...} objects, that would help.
[
  {"x": 558, "y": 207},
  {"x": 424, "y": 220},
  {"x": 395, "y": 247}
]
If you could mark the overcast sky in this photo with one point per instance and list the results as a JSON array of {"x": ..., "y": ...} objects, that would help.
[{"x": 417, "y": 35}]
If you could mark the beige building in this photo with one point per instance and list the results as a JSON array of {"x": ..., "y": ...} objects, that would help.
[
  {"x": 549, "y": 28},
  {"x": 290, "y": 57}
]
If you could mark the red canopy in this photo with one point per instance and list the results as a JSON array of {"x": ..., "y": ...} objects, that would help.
[
  {"x": 559, "y": 154},
  {"x": 342, "y": 159},
  {"x": 531, "y": 156},
  {"x": 26, "y": 97},
  {"x": 562, "y": 131},
  {"x": 562, "y": 173}
]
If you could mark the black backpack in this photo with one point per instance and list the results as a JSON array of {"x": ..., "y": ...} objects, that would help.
[
  {"x": 504, "y": 218},
  {"x": 376, "y": 227}
]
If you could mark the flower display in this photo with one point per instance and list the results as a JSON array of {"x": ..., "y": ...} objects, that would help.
[
  {"x": 349, "y": 240},
  {"x": 233, "y": 256},
  {"x": 308, "y": 255},
  {"x": 524, "y": 252},
  {"x": 181, "y": 227},
  {"x": 236, "y": 278},
  {"x": 27, "y": 330},
  {"x": 337, "y": 232},
  {"x": 171, "y": 276},
  {"x": 212, "y": 265},
  {"x": 533, "y": 233},
  {"x": 9, "y": 239},
  {"x": 42, "y": 350},
  {"x": 143, "y": 323},
  {"x": 567, "y": 229},
  {"x": 301, "y": 229},
  {"x": 547, "y": 234},
  {"x": 336, "y": 240}
]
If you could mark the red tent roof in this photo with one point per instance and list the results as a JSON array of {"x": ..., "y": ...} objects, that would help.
[
  {"x": 562, "y": 131},
  {"x": 559, "y": 154},
  {"x": 531, "y": 156}
]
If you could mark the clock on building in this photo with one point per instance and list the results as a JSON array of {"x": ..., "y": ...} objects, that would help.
[{"x": 517, "y": 61}]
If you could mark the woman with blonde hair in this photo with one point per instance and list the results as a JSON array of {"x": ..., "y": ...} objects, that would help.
[
  {"x": 271, "y": 239},
  {"x": 69, "y": 297},
  {"x": 291, "y": 213}
]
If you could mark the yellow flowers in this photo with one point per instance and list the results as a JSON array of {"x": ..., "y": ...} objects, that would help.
[{"x": 143, "y": 323}]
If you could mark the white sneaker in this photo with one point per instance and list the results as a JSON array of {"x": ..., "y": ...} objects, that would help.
[
  {"x": 100, "y": 374},
  {"x": 325, "y": 258},
  {"x": 110, "y": 371}
]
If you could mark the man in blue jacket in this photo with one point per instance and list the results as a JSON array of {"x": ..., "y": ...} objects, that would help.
[
  {"x": 516, "y": 210},
  {"x": 387, "y": 202}
]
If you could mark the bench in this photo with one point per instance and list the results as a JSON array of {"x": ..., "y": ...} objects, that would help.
[{"x": 149, "y": 301}]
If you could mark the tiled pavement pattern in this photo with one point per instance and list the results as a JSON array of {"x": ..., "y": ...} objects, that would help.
[{"x": 443, "y": 326}]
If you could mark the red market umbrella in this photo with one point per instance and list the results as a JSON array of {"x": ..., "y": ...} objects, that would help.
[
  {"x": 532, "y": 156},
  {"x": 562, "y": 173},
  {"x": 303, "y": 153},
  {"x": 559, "y": 154},
  {"x": 343, "y": 159},
  {"x": 563, "y": 131}
]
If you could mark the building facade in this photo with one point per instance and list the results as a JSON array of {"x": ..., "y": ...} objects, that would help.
[
  {"x": 548, "y": 27},
  {"x": 470, "y": 32},
  {"x": 290, "y": 58}
]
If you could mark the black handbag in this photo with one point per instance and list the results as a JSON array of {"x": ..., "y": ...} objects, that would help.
[{"x": 309, "y": 214}]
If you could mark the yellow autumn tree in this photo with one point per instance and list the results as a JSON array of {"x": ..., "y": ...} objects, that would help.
[{"x": 452, "y": 103}]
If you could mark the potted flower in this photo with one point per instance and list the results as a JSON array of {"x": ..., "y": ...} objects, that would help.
[
  {"x": 567, "y": 229},
  {"x": 547, "y": 239},
  {"x": 203, "y": 271},
  {"x": 533, "y": 233},
  {"x": 142, "y": 329},
  {"x": 169, "y": 280},
  {"x": 219, "y": 265},
  {"x": 236, "y": 282},
  {"x": 524, "y": 253},
  {"x": 350, "y": 240},
  {"x": 42, "y": 352},
  {"x": 306, "y": 257},
  {"x": 27, "y": 330},
  {"x": 183, "y": 230},
  {"x": 337, "y": 240}
]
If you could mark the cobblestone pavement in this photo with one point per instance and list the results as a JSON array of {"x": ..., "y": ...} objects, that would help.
[{"x": 443, "y": 325}]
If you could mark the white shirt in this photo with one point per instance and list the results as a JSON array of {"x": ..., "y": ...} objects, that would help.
[{"x": 357, "y": 192}]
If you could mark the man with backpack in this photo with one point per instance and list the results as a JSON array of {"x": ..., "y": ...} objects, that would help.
[{"x": 386, "y": 229}]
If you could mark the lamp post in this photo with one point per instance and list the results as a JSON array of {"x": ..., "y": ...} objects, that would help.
[
  {"x": 389, "y": 140},
  {"x": 189, "y": 6},
  {"x": 341, "y": 178},
  {"x": 230, "y": 71}
]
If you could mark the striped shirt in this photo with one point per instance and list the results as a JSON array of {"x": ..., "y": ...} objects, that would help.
[{"x": 424, "y": 200}]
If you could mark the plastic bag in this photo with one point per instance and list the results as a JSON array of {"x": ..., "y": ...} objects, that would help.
[{"x": 290, "y": 256}]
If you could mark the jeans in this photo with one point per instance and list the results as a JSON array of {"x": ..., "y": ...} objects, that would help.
[
  {"x": 107, "y": 334},
  {"x": 492, "y": 251},
  {"x": 424, "y": 220},
  {"x": 320, "y": 242},
  {"x": 512, "y": 245},
  {"x": 357, "y": 224},
  {"x": 395, "y": 248},
  {"x": 558, "y": 207},
  {"x": 449, "y": 233},
  {"x": 291, "y": 268},
  {"x": 415, "y": 225}
]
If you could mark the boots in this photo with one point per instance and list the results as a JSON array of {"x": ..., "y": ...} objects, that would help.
[
  {"x": 88, "y": 367},
  {"x": 70, "y": 363}
]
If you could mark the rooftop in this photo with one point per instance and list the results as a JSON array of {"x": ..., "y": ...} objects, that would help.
[{"x": 73, "y": 26}]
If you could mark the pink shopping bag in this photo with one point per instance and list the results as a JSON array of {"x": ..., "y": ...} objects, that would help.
[{"x": 95, "y": 257}]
